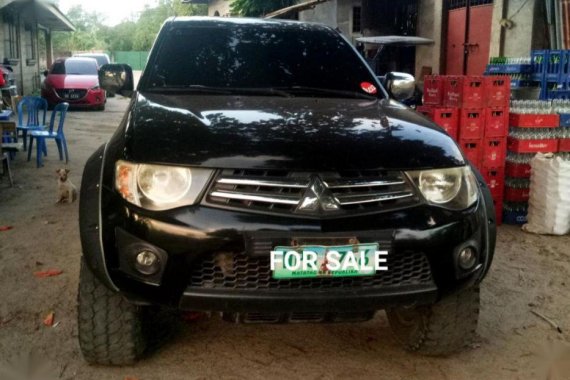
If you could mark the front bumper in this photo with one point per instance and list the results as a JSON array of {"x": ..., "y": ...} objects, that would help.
[
  {"x": 190, "y": 236},
  {"x": 92, "y": 99}
]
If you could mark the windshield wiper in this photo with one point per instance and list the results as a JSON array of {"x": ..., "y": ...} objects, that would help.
[{"x": 324, "y": 91}]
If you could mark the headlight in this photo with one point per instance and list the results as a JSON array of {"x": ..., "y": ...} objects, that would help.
[
  {"x": 454, "y": 188},
  {"x": 95, "y": 88},
  {"x": 160, "y": 187}
]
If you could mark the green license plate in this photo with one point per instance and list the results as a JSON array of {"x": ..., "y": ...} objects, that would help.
[{"x": 283, "y": 271}]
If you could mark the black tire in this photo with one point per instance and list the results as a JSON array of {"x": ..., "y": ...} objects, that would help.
[
  {"x": 440, "y": 329},
  {"x": 110, "y": 328},
  {"x": 101, "y": 107}
]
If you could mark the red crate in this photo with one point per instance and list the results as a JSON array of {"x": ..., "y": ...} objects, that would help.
[
  {"x": 498, "y": 202},
  {"x": 433, "y": 90},
  {"x": 517, "y": 195},
  {"x": 426, "y": 111},
  {"x": 497, "y": 91},
  {"x": 448, "y": 119},
  {"x": 495, "y": 179},
  {"x": 472, "y": 150},
  {"x": 472, "y": 124},
  {"x": 494, "y": 152},
  {"x": 564, "y": 145},
  {"x": 532, "y": 146},
  {"x": 534, "y": 121},
  {"x": 473, "y": 92},
  {"x": 517, "y": 170},
  {"x": 453, "y": 91},
  {"x": 496, "y": 122}
]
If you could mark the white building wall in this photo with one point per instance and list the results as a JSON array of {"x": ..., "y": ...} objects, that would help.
[
  {"x": 219, "y": 8},
  {"x": 325, "y": 13}
]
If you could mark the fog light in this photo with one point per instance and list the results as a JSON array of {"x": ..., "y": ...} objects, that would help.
[
  {"x": 467, "y": 258},
  {"x": 147, "y": 263}
]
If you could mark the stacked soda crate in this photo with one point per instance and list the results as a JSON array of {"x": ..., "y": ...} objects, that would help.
[
  {"x": 474, "y": 111},
  {"x": 535, "y": 126}
]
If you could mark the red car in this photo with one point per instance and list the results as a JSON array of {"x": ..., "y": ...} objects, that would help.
[{"x": 75, "y": 81}]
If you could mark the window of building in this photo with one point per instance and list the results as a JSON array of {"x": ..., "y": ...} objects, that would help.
[
  {"x": 30, "y": 42},
  {"x": 11, "y": 47},
  {"x": 357, "y": 19}
]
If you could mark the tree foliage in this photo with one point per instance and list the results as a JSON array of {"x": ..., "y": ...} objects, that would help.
[
  {"x": 258, "y": 8},
  {"x": 137, "y": 33}
]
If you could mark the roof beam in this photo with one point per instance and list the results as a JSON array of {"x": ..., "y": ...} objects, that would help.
[{"x": 295, "y": 8}]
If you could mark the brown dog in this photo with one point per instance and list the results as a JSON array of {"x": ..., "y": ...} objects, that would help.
[{"x": 67, "y": 193}]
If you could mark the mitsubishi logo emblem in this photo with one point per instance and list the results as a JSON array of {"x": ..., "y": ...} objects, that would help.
[{"x": 317, "y": 198}]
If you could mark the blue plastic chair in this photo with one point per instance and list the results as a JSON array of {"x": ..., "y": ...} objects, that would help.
[
  {"x": 30, "y": 107},
  {"x": 41, "y": 136}
]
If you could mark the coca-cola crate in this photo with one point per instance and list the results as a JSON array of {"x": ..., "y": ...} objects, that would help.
[
  {"x": 516, "y": 194},
  {"x": 497, "y": 91},
  {"x": 494, "y": 151},
  {"x": 448, "y": 119},
  {"x": 495, "y": 179},
  {"x": 496, "y": 122},
  {"x": 517, "y": 170},
  {"x": 472, "y": 123},
  {"x": 534, "y": 121},
  {"x": 433, "y": 90},
  {"x": 498, "y": 203},
  {"x": 426, "y": 111},
  {"x": 564, "y": 145},
  {"x": 532, "y": 146},
  {"x": 472, "y": 150},
  {"x": 453, "y": 91},
  {"x": 474, "y": 92}
]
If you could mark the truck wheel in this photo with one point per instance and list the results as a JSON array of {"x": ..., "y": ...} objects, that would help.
[
  {"x": 440, "y": 329},
  {"x": 110, "y": 328}
]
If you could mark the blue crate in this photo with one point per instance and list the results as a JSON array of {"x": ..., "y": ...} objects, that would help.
[
  {"x": 558, "y": 94},
  {"x": 521, "y": 83},
  {"x": 5, "y": 115},
  {"x": 515, "y": 217},
  {"x": 509, "y": 69},
  {"x": 565, "y": 120},
  {"x": 538, "y": 59}
]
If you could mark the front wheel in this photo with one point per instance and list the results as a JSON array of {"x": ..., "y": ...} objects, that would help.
[
  {"x": 440, "y": 329},
  {"x": 110, "y": 328}
]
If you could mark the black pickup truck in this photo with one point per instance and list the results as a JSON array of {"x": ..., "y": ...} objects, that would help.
[{"x": 248, "y": 137}]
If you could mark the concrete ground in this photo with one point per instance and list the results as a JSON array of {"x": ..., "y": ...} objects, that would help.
[{"x": 530, "y": 273}]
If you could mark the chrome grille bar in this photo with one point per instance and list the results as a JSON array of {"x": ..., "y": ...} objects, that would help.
[
  {"x": 258, "y": 197},
  {"x": 356, "y": 199},
  {"x": 291, "y": 183},
  {"x": 349, "y": 184}
]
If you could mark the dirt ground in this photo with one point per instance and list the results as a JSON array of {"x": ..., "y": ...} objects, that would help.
[{"x": 530, "y": 273}]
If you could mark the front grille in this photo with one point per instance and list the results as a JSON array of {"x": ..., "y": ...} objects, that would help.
[
  {"x": 288, "y": 192},
  {"x": 71, "y": 94},
  {"x": 242, "y": 272}
]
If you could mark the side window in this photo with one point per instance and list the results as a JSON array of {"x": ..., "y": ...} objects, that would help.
[
  {"x": 11, "y": 47},
  {"x": 356, "y": 19}
]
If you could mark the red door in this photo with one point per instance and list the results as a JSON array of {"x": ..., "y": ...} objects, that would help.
[{"x": 468, "y": 54}]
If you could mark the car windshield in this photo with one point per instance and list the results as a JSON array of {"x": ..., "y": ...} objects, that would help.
[
  {"x": 101, "y": 59},
  {"x": 272, "y": 56},
  {"x": 75, "y": 67}
]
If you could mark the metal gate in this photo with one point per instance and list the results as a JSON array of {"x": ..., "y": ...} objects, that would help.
[{"x": 468, "y": 36}]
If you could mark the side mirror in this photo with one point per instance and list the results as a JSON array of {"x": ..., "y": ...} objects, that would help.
[
  {"x": 45, "y": 73},
  {"x": 401, "y": 86},
  {"x": 117, "y": 79}
]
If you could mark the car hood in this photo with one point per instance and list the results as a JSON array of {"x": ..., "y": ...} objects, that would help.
[
  {"x": 251, "y": 132},
  {"x": 72, "y": 81}
]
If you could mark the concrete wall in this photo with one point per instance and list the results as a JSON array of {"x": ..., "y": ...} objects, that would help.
[
  {"x": 27, "y": 75},
  {"x": 345, "y": 17},
  {"x": 220, "y": 6},
  {"x": 326, "y": 13},
  {"x": 430, "y": 25}
]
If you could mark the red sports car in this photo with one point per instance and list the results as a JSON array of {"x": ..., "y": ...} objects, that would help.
[{"x": 75, "y": 81}]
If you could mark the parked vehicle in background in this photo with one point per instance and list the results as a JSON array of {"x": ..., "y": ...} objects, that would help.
[
  {"x": 102, "y": 59},
  {"x": 248, "y": 137},
  {"x": 75, "y": 81}
]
